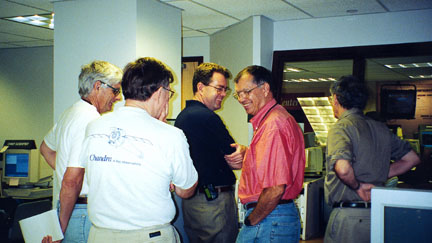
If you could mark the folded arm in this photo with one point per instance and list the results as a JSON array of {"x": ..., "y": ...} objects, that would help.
[
  {"x": 345, "y": 172},
  {"x": 403, "y": 165}
]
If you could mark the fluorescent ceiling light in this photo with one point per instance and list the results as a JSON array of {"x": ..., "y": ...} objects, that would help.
[
  {"x": 42, "y": 20},
  {"x": 410, "y": 65},
  {"x": 292, "y": 70},
  {"x": 421, "y": 76},
  {"x": 310, "y": 80}
]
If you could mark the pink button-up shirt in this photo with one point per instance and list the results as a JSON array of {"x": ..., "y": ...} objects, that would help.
[{"x": 276, "y": 155}]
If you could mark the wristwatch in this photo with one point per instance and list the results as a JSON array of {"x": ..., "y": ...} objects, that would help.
[{"x": 247, "y": 222}]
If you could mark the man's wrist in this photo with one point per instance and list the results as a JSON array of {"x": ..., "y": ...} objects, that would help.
[
  {"x": 247, "y": 222},
  {"x": 357, "y": 187}
]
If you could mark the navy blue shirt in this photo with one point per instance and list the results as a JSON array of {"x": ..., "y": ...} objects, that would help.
[{"x": 209, "y": 141}]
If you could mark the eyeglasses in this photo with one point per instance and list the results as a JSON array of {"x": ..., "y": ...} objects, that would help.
[
  {"x": 115, "y": 91},
  {"x": 171, "y": 92},
  {"x": 244, "y": 93},
  {"x": 220, "y": 89}
]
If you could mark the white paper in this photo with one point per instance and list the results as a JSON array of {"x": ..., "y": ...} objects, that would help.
[{"x": 41, "y": 225}]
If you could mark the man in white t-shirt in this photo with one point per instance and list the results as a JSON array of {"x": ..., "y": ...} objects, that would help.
[
  {"x": 99, "y": 88},
  {"x": 133, "y": 158}
]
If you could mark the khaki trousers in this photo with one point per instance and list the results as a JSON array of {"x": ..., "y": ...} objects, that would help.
[{"x": 158, "y": 233}]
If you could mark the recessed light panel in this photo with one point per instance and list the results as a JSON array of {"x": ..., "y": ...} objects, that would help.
[{"x": 42, "y": 20}]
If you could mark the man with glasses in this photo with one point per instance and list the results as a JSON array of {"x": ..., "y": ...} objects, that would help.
[
  {"x": 274, "y": 163},
  {"x": 211, "y": 214},
  {"x": 99, "y": 88},
  {"x": 132, "y": 160}
]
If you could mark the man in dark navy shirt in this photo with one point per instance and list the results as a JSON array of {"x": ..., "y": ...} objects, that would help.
[{"x": 210, "y": 215}]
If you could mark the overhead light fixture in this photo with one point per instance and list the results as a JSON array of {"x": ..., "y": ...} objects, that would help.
[
  {"x": 319, "y": 113},
  {"x": 309, "y": 80},
  {"x": 292, "y": 70},
  {"x": 421, "y": 76},
  {"x": 410, "y": 65},
  {"x": 41, "y": 20}
]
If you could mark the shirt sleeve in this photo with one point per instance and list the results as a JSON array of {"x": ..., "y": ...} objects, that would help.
[
  {"x": 220, "y": 135},
  {"x": 50, "y": 138},
  {"x": 184, "y": 173},
  {"x": 339, "y": 146},
  {"x": 399, "y": 147}
]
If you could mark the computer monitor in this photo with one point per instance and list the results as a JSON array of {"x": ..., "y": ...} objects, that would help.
[
  {"x": 22, "y": 164},
  {"x": 21, "y": 167},
  {"x": 314, "y": 160},
  {"x": 401, "y": 215}
]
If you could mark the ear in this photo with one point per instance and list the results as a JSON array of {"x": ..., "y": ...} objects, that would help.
[
  {"x": 200, "y": 86},
  {"x": 266, "y": 88},
  {"x": 335, "y": 100},
  {"x": 97, "y": 85}
]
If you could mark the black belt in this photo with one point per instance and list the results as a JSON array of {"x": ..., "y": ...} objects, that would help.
[
  {"x": 254, "y": 204},
  {"x": 81, "y": 200},
  {"x": 219, "y": 189},
  {"x": 352, "y": 205}
]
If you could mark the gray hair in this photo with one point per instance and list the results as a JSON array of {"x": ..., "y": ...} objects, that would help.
[{"x": 98, "y": 71}]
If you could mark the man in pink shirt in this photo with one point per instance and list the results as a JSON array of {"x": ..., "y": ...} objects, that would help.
[{"x": 273, "y": 165}]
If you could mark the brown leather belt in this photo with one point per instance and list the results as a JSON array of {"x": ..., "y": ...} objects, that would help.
[
  {"x": 219, "y": 189},
  {"x": 254, "y": 204},
  {"x": 81, "y": 200}
]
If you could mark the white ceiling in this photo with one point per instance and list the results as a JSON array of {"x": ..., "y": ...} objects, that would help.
[{"x": 204, "y": 17}]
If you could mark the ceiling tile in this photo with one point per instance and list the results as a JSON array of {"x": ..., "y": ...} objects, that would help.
[
  {"x": 6, "y": 37},
  {"x": 193, "y": 33},
  {"x": 26, "y": 30},
  {"x": 241, "y": 9},
  {"x": 11, "y": 9},
  {"x": 195, "y": 16},
  {"x": 331, "y": 8},
  {"x": 9, "y": 45},
  {"x": 36, "y": 43},
  {"x": 401, "y": 5}
]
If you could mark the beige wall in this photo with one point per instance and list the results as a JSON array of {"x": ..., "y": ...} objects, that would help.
[{"x": 26, "y": 93}]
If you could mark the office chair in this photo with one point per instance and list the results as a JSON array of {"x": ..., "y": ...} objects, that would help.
[
  {"x": 7, "y": 211},
  {"x": 25, "y": 210}
]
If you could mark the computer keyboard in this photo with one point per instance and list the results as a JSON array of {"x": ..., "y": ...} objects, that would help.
[{"x": 31, "y": 193}]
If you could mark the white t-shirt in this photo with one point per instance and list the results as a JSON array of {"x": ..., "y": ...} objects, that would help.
[
  {"x": 66, "y": 138},
  {"x": 130, "y": 160}
]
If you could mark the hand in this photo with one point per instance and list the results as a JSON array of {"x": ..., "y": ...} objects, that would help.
[
  {"x": 48, "y": 239},
  {"x": 164, "y": 113},
  {"x": 235, "y": 160},
  {"x": 172, "y": 187},
  {"x": 364, "y": 191}
]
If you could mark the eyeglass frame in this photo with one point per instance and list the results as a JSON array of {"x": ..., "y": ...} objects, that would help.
[
  {"x": 237, "y": 95},
  {"x": 115, "y": 90},
  {"x": 169, "y": 90},
  {"x": 220, "y": 89}
]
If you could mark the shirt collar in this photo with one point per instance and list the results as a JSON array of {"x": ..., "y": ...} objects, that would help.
[
  {"x": 195, "y": 102},
  {"x": 351, "y": 111},
  {"x": 256, "y": 120}
]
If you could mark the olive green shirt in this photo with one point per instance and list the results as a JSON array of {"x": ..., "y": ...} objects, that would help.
[{"x": 368, "y": 145}]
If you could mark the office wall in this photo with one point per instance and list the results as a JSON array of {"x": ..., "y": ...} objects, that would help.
[
  {"x": 355, "y": 30},
  {"x": 233, "y": 48},
  {"x": 86, "y": 31},
  {"x": 26, "y": 93},
  {"x": 196, "y": 46},
  {"x": 159, "y": 36},
  {"x": 246, "y": 43}
]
